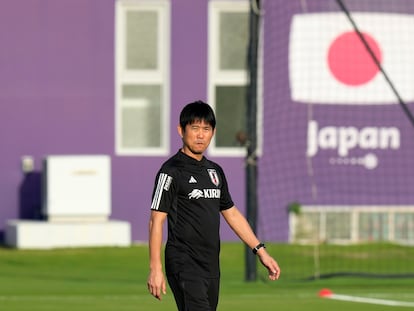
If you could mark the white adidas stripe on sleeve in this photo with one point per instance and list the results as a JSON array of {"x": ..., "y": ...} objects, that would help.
[{"x": 158, "y": 192}]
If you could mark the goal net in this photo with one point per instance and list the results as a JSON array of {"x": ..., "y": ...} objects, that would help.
[{"x": 336, "y": 169}]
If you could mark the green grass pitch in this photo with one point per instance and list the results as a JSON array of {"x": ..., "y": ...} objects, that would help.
[{"x": 115, "y": 279}]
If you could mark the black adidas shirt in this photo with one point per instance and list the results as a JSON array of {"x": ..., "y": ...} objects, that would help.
[{"x": 192, "y": 193}]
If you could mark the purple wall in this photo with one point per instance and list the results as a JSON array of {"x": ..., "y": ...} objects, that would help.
[
  {"x": 57, "y": 97},
  {"x": 56, "y": 86}
]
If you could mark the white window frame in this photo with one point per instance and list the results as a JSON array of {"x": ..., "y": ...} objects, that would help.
[
  {"x": 230, "y": 77},
  {"x": 160, "y": 76}
]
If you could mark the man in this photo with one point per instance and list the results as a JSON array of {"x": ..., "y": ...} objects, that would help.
[{"x": 191, "y": 192}]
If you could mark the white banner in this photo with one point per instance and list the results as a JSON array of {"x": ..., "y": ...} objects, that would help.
[{"x": 328, "y": 63}]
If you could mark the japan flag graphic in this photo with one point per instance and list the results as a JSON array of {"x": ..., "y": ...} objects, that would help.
[{"x": 329, "y": 63}]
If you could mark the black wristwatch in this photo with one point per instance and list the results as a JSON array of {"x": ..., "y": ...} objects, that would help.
[{"x": 259, "y": 246}]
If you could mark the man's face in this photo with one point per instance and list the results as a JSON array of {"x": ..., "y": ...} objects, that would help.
[{"x": 196, "y": 137}]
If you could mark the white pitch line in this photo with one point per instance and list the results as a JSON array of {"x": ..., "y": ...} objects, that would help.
[{"x": 371, "y": 300}]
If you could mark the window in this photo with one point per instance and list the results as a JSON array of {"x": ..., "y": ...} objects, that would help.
[
  {"x": 404, "y": 226},
  {"x": 344, "y": 224},
  {"x": 373, "y": 226},
  {"x": 228, "y": 75},
  {"x": 142, "y": 77}
]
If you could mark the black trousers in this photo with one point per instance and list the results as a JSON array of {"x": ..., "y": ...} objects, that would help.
[{"x": 194, "y": 293}]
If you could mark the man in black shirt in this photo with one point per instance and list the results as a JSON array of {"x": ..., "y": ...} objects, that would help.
[{"x": 192, "y": 192}]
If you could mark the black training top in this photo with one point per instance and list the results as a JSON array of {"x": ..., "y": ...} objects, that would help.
[{"x": 192, "y": 193}]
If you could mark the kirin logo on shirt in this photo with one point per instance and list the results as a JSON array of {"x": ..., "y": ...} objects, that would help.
[
  {"x": 213, "y": 176},
  {"x": 205, "y": 193}
]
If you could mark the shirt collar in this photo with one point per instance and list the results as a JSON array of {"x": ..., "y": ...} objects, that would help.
[{"x": 191, "y": 160}]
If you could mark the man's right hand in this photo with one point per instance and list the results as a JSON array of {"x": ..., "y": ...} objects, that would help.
[{"x": 156, "y": 284}]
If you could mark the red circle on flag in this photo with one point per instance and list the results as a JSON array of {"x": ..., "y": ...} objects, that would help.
[{"x": 350, "y": 61}]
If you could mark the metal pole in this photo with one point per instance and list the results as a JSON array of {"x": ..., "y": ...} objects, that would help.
[{"x": 251, "y": 158}]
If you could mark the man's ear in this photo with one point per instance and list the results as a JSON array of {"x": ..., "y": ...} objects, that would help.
[{"x": 180, "y": 131}]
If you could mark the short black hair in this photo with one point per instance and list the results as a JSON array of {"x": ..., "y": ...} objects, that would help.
[{"x": 197, "y": 111}]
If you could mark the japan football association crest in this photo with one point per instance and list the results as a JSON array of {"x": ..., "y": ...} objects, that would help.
[{"x": 213, "y": 176}]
